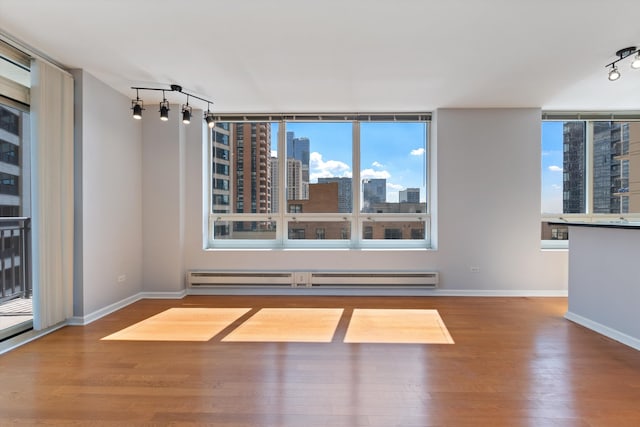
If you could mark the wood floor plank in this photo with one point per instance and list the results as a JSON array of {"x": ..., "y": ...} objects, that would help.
[{"x": 515, "y": 362}]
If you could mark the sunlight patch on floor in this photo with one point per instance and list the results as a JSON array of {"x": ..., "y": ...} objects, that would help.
[
  {"x": 181, "y": 324},
  {"x": 288, "y": 325},
  {"x": 397, "y": 326}
]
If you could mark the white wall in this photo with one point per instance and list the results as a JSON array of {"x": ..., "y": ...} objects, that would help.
[
  {"x": 108, "y": 203},
  {"x": 488, "y": 211}
]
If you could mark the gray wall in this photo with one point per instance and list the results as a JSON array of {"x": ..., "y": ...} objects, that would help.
[
  {"x": 141, "y": 211},
  {"x": 108, "y": 205},
  {"x": 488, "y": 213}
]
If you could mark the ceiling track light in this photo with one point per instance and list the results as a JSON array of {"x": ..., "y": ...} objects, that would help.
[
  {"x": 614, "y": 74},
  {"x": 208, "y": 117},
  {"x": 137, "y": 105},
  {"x": 164, "y": 108},
  {"x": 186, "y": 112}
]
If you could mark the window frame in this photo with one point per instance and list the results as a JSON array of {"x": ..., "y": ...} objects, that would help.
[
  {"x": 589, "y": 216},
  {"x": 284, "y": 219}
]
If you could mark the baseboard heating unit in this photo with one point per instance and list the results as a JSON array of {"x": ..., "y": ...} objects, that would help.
[{"x": 313, "y": 279}]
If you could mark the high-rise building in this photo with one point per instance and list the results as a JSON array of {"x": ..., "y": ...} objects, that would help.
[
  {"x": 345, "y": 192},
  {"x": 574, "y": 163},
  {"x": 295, "y": 184},
  {"x": 11, "y": 129},
  {"x": 251, "y": 169},
  {"x": 373, "y": 191},
  {"x": 275, "y": 185},
  {"x": 299, "y": 149},
  {"x": 221, "y": 169},
  {"x": 410, "y": 195}
]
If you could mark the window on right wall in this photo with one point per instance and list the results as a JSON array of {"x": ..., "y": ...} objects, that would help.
[{"x": 590, "y": 172}]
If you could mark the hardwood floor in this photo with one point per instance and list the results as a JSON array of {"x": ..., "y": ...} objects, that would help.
[{"x": 515, "y": 362}]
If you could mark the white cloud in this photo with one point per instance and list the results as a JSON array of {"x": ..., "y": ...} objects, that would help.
[
  {"x": 274, "y": 153},
  {"x": 556, "y": 187},
  {"x": 394, "y": 187},
  {"x": 318, "y": 168},
  {"x": 370, "y": 173},
  {"x": 377, "y": 165},
  {"x": 554, "y": 168},
  {"x": 417, "y": 152}
]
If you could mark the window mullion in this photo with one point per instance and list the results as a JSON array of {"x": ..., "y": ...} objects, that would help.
[{"x": 356, "y": 234}]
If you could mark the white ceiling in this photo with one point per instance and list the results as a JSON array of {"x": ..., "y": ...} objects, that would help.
[{"x": 346, "y": 55}]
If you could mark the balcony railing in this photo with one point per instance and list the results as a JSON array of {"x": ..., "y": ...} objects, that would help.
[{"x": 15, "y": 280}]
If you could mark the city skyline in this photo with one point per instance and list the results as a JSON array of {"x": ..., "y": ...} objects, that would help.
[{"x": 392, "y": 151}]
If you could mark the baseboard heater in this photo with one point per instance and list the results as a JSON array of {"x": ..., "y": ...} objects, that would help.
[{"x": 312, "y": 279}]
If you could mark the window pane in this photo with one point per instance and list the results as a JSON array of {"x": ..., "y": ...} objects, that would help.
[
  {"x": 393, "y": 163},
  {"x": 398, "y": 230},
  {"x": 319, "y": 230},
  {"x": 319, "y": 167},
  {"x": 256, "y": 230}
]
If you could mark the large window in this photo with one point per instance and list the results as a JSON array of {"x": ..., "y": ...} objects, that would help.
[
  {"x": 590, "y": 172},
  {"x": 311, "y": 181}
]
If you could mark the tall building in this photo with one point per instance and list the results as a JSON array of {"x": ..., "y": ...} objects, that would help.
[
  {"x": 11, "y": 128},
  {"x": 373, "y": 191},
  {"x": 574, "y": 163},
  {"x": 251, "y": 169},
  {"x": 299, "y": 149},
  {"x": 295, "y": 185},
  {"x": 221, "y": 169},
  {"x": 345, "y": 192},
  {"x": 275, "y": 185},
  {"x": 410, "y": 195}
]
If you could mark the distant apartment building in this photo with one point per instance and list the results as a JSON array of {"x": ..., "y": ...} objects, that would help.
[
  {"x": 251, "y": 176},
  {"x": 345, "y": 192},
  {"x": 373, "y": 191},
  {"x": 299, "y": 149},
  {"x": 410, "y": 195},
  {"x": 221, "y": 168},
  {"x": 616, "y": 167},
  {"x": 574, "y": 164},
  {"x": 296, "y": 188},
  {"x": 11, "y": 177},
  {"x": 275, "y": 185}
]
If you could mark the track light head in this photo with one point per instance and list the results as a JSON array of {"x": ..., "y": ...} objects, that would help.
[
  {"x": 208, "y": 117},
  {"x": 186, "y": 114},
  {"x": 636, "y": 62},
  {"x": 137, "y": 107},
  {"x": 164, "y": 110},
  {"x": 614, "y": 74}
]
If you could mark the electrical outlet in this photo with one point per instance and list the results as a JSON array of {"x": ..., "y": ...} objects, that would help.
[{"x": 474, "y": 269}]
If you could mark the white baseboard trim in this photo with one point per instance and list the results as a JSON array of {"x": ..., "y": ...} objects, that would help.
[
  {"x": 92, "y": 317},
  {"x": 163, "y": 295},
  {"x": 604, "y": 330},
  {"x": 375, "y": 292}
]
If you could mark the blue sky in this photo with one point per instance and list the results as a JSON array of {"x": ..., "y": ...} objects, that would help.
[
  {"x": 393, "y": 151},
  {"x": 552, "y": 167}
]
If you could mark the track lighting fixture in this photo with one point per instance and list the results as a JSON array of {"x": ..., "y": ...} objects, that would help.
[
  {"x": 164, "y": 108},
  {"x": 208, "y": 117},
  {"x": 186, "y": 112},
  {"x": 137, "y": 105},
  {"x": 614, "y": 74}
]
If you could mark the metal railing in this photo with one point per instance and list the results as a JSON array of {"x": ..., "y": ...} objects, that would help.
[{"x": 15, "y": 278}]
